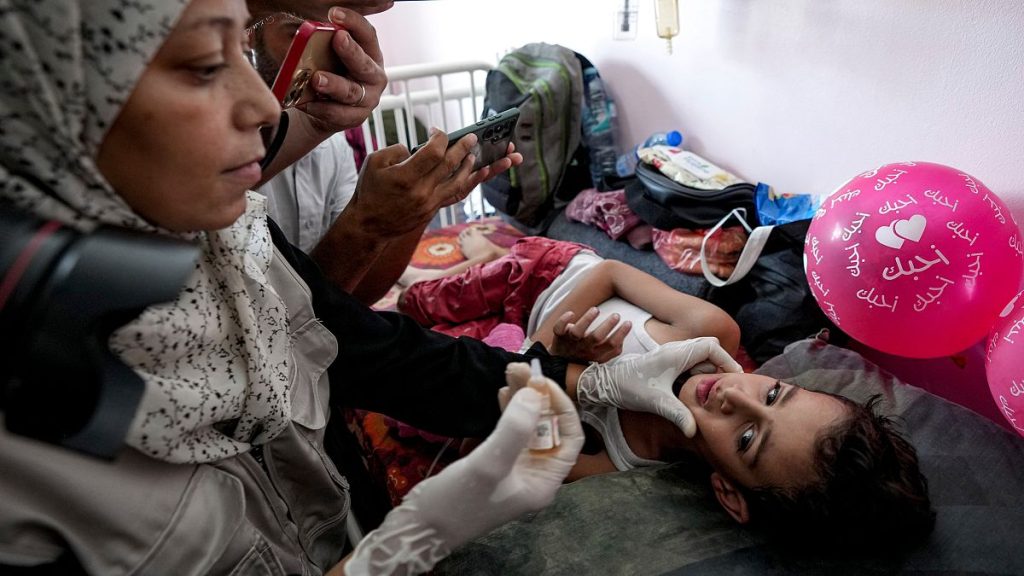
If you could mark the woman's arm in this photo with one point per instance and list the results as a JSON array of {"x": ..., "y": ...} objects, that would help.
[
  {"x": 389, "y": 364},
  {"x": 677, "y": 316}
]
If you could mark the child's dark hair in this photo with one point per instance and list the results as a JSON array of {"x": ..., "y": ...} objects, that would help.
[{"x": 869, "y": 494}]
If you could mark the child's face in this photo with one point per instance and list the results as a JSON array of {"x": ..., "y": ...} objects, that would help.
[
  {"x": 757, "y": 430},
  {"x": 186, "y": 146}
]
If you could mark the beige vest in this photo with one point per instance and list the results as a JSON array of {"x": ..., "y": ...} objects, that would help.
[{"x": 137, "y": 515}]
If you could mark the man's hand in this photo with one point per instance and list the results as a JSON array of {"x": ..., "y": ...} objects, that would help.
[
  {"x": 643, "y": 382},
  {"x": 396, "y": 197},
  {"x": 398, "y": 192},
  {"x": 317, "y": 9},
  {"x": 365, "y": 7},
  {"x": 349, "y": 99},
  {"x": 575, "y": 340}
]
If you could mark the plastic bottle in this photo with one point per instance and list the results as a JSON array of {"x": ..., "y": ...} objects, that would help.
[
  {"x": 625, "y": 165},
  {"x": 598, "y": 127},
  {"x": 545, "y": 436}
]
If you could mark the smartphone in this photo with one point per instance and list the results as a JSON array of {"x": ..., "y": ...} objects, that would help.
[
  {"x": 493, "y": 135},
  {"x": 309, "y": 52}
]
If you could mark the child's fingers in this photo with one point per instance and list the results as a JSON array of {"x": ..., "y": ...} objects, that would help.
[
  {"x": 562, "y": 324},
  {"x": 617, "y": 337},
  {"x": 605, "y": 328},
  {"x": 580, "y": 327}
]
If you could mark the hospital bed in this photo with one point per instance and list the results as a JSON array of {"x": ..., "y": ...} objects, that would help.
[{"x": 662, "y": 520}]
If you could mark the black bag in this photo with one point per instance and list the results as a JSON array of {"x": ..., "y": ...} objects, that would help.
[
  {"x": 666, "y": 204},
  {"x": 768, "y": 294}
]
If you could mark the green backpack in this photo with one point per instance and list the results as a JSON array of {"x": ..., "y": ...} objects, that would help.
[{"x": 545, "y": 82}]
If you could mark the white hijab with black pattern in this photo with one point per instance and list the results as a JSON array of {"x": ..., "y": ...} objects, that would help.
[{"x": 216, "y": 360}]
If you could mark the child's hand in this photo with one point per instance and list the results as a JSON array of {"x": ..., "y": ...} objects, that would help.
[{"x": 575, "y": 340}]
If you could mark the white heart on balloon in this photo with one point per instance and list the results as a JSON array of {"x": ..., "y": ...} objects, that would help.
[
  {"x": 912, "y": 228},
  {"x": 887, "y": 237},
  {"x": 894, "y": 233}
]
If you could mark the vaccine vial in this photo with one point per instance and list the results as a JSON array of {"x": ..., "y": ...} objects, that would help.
[
  {"x": 666, "y": 18},
  {"x": 545, "y": 436}
]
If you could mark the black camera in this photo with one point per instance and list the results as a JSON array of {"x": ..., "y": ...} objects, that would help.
[{"x": 62, "y": 293}]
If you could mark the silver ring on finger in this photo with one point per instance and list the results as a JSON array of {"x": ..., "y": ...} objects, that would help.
[{"x": 361, "y": 95}]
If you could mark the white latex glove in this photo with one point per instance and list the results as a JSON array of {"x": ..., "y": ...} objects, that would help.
[
  {"x": 643, "y": 382},
  {"x": 498, "y": 482}
]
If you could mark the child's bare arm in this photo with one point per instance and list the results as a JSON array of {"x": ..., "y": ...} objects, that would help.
[
  {"x": 566, "y": 331},
  {"x": 677, "y": 316}
]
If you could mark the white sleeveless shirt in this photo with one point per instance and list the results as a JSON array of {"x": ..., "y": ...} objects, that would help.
[{"x": 604, "y": 419}]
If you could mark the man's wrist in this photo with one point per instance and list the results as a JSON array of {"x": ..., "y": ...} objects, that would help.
[
  {"x": 312, "y": 127},
  {"x": 350, "y": 226},
  {"x": 347, "y": 252}
]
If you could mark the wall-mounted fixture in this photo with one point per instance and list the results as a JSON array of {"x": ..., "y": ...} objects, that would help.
[{"x": 625, "y": 20}]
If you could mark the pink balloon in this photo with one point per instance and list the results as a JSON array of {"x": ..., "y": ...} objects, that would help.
[
  {"x": 1004, "y": 363},
  {"x": 914, "y": 259}
]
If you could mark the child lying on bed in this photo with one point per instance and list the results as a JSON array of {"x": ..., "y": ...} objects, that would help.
[
  {"x": 806, "y": 464},
  {"x": 536, "y": 285}
]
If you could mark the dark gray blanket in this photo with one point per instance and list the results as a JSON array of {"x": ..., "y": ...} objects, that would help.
[{"x": 663, "y": 520}]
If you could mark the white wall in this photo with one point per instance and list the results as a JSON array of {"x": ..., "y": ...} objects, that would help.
[{"x": 802, "y": 94}]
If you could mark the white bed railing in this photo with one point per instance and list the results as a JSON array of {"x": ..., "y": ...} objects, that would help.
[{"x": 448, "y": 95}]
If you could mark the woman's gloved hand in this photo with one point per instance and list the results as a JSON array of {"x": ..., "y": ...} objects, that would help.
[
  {"x": 498, "y": 482},
  {"x": 643, "y": 382}
]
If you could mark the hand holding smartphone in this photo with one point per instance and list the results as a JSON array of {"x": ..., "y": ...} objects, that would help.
[
  {"x": 493, "y": 136},
  {"x": 309, "y": 53}
]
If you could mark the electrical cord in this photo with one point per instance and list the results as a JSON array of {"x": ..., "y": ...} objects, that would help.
[{"x": 274, "y": 140}]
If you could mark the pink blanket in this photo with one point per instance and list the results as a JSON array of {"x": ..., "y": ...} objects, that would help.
[{"x": 503, "y": 291}]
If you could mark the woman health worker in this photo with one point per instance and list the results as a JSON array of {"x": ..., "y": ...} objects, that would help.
[{"x": 146, "y": 115}]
